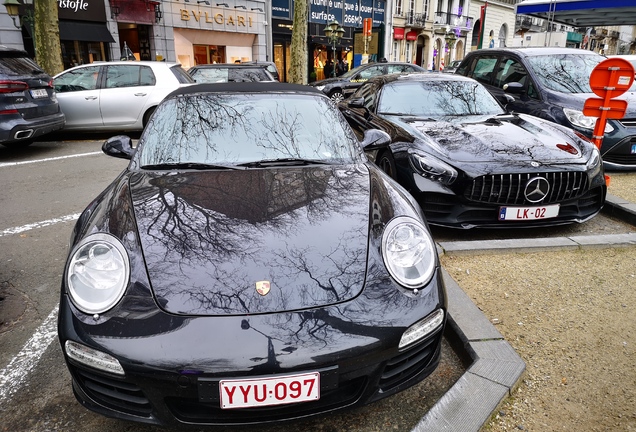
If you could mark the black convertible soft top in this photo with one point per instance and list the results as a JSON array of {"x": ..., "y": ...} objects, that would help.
[{"x": 244, "y": 87}]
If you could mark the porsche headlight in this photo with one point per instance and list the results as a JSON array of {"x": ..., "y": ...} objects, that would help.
[
  {"x": 578, "y": 119},
  {"x": 433, "y": 168},
  {"x": 408, "y": 251},
  {"x": 98, "y": 273}
]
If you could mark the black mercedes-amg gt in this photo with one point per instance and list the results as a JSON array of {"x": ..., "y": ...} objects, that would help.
[{"x": 468, "y": 162}]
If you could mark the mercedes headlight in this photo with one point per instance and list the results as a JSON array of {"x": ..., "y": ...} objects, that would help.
[
  {"x": 98, "y": 273},
  {"x": 432, "y": 168},
  {"x": 408, "y": 251},
  {"x": 320, "y": 87},
  {"x": 578, "y": 119},
  {"x": 594, "y": 163}
]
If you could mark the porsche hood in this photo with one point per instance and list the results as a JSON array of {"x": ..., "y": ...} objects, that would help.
[
  {"x": 500, "y": 140},
  {"x": 253, "y": 241}
]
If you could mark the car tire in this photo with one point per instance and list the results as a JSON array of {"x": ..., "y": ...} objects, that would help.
[
  {"x": 147, "y": 116},
  {"x": 386, "y": 163},
  {"x": 337, "y": 96}
]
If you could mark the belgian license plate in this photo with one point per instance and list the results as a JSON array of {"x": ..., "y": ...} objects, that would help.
[
  {"x": 528, "y": 213},
  {"x": 39, "y": 93},
  {"x": 278, "y": 390}
]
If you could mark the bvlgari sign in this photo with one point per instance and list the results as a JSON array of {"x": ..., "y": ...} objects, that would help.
[
  {"x": 82, "y": 10},
  {"x": 218, "y": 18},
  {"x": 214, "y": 18}
]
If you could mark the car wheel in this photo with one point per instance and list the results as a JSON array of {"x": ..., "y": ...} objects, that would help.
[
  {"x": 337, "y": 96},
  {"x": 386, "y": 163},
  {"x": 147, "y": 116}
]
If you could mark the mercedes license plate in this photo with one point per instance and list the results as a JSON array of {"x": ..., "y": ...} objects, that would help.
[
  {"x": 278, "y": 390},
  {"x": 39, "y": 93},
  {"x": 528, "y": 213}
]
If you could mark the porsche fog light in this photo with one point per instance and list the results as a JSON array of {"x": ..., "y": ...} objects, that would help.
[
  {"x": 93, "y": 358},
  {"x": 98, "y": 272},
  {"x": 577, "y": 118},
  {"x": 408, "y": 251},
  {"x": 422, "y": 329},
  {"x": 433, "y": 168}
]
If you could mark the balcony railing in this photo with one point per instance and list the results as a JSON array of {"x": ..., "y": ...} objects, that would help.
[
  {"x": 415, "y": 20},
  {"x": 443, "y": 19}
]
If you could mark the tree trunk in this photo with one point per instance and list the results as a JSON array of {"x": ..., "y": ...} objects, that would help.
[
  {"x": 298, "y": 66},
  {"x": 46, "y": 36}
]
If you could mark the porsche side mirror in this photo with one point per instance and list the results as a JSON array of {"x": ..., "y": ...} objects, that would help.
[
  {"x": 513, "y": 87},
  {"x": 375, "y": 139},
  {"x": 356, "y": 103},
  {"x": 119, "y": 146}
]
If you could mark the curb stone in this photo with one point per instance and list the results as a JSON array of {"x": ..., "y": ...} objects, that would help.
[{"x": 495, "y": 371}]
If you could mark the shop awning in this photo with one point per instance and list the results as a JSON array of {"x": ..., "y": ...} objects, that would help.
[{"x": 85, "y": 31}]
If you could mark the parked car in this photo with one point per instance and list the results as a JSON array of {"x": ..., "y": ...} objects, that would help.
[
  {"x": 249, "y": 266},
  {"x": 342, "y": 87},
  {"x": 553, "y": 83},
  {"x": 116, "y": 96},
  {"x": 468, "y": 163},
  {"x": 629, "y": 57},
  {"x": 452, "y": 66},
  {"x": 271, "y": 67},
  {"x": 28, "y": 105},
  {"x": 230, "y": 72}
]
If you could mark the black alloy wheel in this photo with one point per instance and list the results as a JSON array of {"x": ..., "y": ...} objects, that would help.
[{"x": 386, "y": 163}]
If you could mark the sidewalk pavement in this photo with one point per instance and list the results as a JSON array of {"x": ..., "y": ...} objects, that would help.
[{"x": 496, "y": 368}]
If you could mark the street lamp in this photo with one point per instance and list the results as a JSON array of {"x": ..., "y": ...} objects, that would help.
[
  {"x": 450, "y": 39},
  {"x": 13, "y": 10},
  {"x": 334, "y": 32}
]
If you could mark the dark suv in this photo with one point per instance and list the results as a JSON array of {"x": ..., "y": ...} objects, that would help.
[
  {"x": 553, "y": 83},
  {"x": 28, "y": 105}
]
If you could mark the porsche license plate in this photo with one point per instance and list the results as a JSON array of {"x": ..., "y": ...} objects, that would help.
[
  {"x": 528, "y": 213},
  {"x": 278, "y": 390},
  {"x": 39, "y": 93}
]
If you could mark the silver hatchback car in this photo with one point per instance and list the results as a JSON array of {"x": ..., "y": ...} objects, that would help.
[{"x": 115, "y": 96}]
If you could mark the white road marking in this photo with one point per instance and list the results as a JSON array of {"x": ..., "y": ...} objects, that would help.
[
  {"x": 16, "y": 372},
  {"x": 28, "y": 227},
  {"x": 8, "y": 164}
]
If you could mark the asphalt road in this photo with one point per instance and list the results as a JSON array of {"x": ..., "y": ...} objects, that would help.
[{"x": 45, "y": 187}]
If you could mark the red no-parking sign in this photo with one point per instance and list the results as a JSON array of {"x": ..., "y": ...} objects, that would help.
[{"x": 609, "y": 79}]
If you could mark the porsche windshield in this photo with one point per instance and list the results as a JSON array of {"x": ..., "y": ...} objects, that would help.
[
  {"x": 230, "y": 129},
  {"x": 437, "y": 98}
]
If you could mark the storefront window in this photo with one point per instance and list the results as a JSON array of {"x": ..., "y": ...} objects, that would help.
[
  {"x": 208, "y": 54},
  {"x": 77, "y": 52}
]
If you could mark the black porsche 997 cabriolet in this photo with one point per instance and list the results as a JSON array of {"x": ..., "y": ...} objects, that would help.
[{"x": 249, "y": 266}]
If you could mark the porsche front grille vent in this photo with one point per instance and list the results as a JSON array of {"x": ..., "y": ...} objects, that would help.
[
  {"x": 508, "y": 189},
  {"x": 115, "y": 394},
  {"x": 408, "y": 364}
]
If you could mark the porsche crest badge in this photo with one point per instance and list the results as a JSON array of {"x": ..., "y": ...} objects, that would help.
[{"x": 262, "y": 287}]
